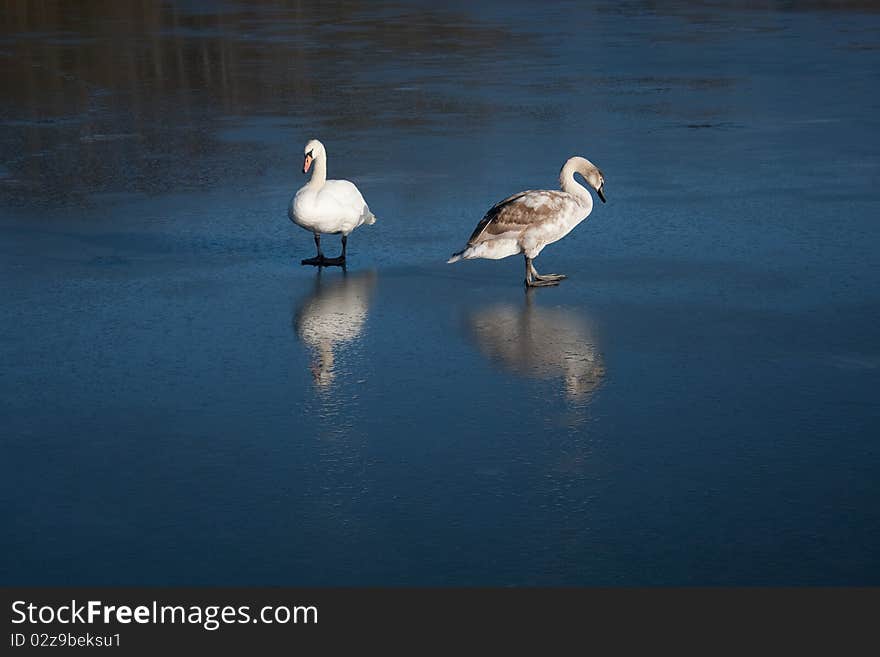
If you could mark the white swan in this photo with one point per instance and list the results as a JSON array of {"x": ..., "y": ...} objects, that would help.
[
  {"x": 327, "y": 206},
  {"x": 527, "y": 222},
  {"x": 333, "y": 317}
]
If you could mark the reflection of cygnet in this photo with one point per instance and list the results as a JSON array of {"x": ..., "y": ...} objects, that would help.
[
  {"x": 544, "y": 343},
  {"x": 332, "y": 316}
]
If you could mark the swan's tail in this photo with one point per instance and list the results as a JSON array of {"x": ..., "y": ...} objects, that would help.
[
  {"x": 367, "y": 217},
  {"x": 460, "y": 255}
]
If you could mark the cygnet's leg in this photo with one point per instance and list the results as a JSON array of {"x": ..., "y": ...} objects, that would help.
[
  {"x": 545, "y": 277},
  {"x": 532, "y": 279},
  {"x": 319, "y": 260},
  {"x": 340, "y": 261}
]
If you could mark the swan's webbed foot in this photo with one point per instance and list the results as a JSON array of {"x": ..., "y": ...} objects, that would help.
[
  {"x": 334, "y": 262},
  {"x": 550, "y": 277},
  {"x": 319, "y": 260}
]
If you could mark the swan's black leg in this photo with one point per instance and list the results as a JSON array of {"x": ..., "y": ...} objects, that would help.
[
  {"x": 533, "y": 279},
  {"x": 340, "y": 261},
  {"x": 319, "y": 260}
]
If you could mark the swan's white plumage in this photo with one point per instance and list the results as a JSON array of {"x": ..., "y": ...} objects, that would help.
[{"x": 328, "y": 206}]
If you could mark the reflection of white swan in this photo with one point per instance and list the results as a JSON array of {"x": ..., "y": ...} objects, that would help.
[
  {"x": 544, "y": 343},
  {"x": 333, "y": 316}
]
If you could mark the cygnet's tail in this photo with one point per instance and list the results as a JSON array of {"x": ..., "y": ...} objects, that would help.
[{"x": 460, "y": 255}]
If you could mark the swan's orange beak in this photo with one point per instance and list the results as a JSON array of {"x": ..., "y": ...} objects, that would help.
[{"x": 307, "y": 162}]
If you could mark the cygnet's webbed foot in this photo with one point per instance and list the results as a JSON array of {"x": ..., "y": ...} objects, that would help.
[
  {"x": 534, "y": 279},
  {"x": 541, "y": 283}
]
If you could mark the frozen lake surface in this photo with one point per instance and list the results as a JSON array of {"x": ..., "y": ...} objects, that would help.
[{"x": 183, "y": 403}]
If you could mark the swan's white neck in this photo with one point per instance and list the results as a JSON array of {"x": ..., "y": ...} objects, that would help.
[
  {"x": 319, "y": 171},
  {"x": 572, "y": 186}
]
